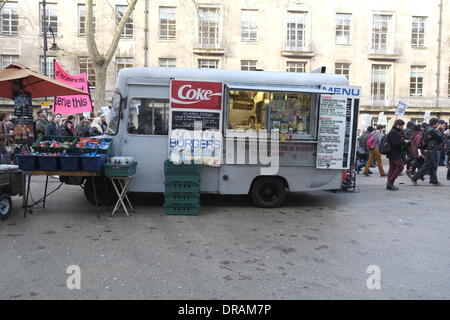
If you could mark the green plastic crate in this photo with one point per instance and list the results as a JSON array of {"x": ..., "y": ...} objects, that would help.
[
  {"x": 120, "y": 170},
  {"x": 182, "y": 187},
  {"x": 170, "y": 168},
  {"x": 181, "y": 198},
  {"x": 181, "y": 209},
  {"x": 182, "y": 178}
]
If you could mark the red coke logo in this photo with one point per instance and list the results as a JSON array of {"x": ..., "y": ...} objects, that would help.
[{"x": 196, "y": 94}]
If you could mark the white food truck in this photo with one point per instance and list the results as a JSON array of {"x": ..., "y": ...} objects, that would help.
[{"x": 311, "y": 118}]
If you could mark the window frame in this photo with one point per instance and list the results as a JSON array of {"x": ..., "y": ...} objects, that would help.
[
  {"x": 295, "y": 31},
  {"x": 49, "y": 64},
  {"x": 82, "y": 5},
  {"x": 49, "y": 6},
  {"x": 304, "y": 63},
  {"x": 126, "y": 65},
  {"x": 247, "y": 65},
  {"x": 128, "y": 25},
  {"x": 342, "y": 69},
  {"x": 153, "y": 100},
  {"x": 11, "y": 6},
  {"x": 249, "y": 26},
  {"x": 203, "y": 60},
  {"x": 414, "y": 85},
  {"x": 88, "y": 62},
  {"x": 376, "y": 96},
  {"x": 13, "y": 58},
  {"x": 167, "y": 59},
  {"x": 217, "y": 29},
  {"x": 168, "y": 24},
  {"x": 377, "y": 32},
  {"x": 417, "y": 44},
  {"x": 341, "y": 28}
]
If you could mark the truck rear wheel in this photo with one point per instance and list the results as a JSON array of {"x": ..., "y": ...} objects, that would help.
[
  {"x": 5, "y": 206},
  {"x": 106, "y": 195},
  {"x": 268, "y": 192}
]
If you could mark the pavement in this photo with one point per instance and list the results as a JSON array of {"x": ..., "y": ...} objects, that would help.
[{"x": 370, "y": 244}]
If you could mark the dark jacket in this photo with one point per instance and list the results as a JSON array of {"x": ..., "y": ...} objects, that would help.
[
  {"x": 67, "y": 132},
  {"x": 82, "y": 130},
  {"x": 396, "y": 140},
  {"x": 93, "y": 131},
  {"x": 435, "y": 138},
  {"x": 53, "y": 129},
  {"x": 363, "y": 139}
]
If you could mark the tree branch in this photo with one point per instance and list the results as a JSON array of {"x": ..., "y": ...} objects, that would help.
[
  {"x": 89, "y": 34},
  {"x": 2, "y": 4}
]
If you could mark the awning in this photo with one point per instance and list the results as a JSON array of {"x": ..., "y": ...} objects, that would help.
[{"x": 269, "y": 87}]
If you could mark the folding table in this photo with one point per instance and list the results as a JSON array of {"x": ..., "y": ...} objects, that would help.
[{"x": 121, "y": 185}]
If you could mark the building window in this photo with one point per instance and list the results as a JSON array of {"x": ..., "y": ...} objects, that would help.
[
  {"x": 167, "y": 23},
  {"x": 86, "y": 65},
  {"x": 82, "y": 19},
  {"x": 50, "y": 66},
  {"x": 123, "y": 63},
  {"x": 294, "y": 66},
  {"x": 416, "y": 80},
  {"x": 342, "y": 68},
  {"x": 148, "y": 116},
  {"x": 381, "y": 33},
  {"x": 249, "y": 25},
  {"x": 128, "y": 28},
  {"x": 248, "y": 65},
  {"x": 167, "y": 62},
  {"x": 209, "y": 30},
  {"x": 418, "y": 32},
  {"x": 379, "y": 82},
  {"x": 6, "y": 60},
  {"x": 417, "y": 120},
  {"x": 51, "y": 18},
  {"x": 343, "y": 22},
  {"x": 296, "y": 29},
  {"x": 9, "y": 18},
  {"x": 208, "y": 64}
]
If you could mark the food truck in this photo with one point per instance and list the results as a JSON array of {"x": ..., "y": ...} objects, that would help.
[{"x": 310, "y": 118}]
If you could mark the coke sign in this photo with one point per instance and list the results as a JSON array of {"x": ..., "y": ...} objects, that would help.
[{"x": 196, "y": 95}]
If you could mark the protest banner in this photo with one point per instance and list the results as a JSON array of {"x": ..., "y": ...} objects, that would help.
[
  {"x": 72, "y": 104},
  {"x": 401, "y": 109},
  {"x": 382, "y": 119},
  {"x": 427, "y": 116}
]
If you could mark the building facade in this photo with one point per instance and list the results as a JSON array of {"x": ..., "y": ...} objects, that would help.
[{"x": 395, "y": 50}]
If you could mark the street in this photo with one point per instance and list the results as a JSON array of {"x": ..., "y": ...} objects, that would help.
[{"x": 319, "y": 245}]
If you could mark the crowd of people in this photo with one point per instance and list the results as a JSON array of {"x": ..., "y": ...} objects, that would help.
[
  {"x": 422, "y": 148},
  {"x": 57, "y": 126}
]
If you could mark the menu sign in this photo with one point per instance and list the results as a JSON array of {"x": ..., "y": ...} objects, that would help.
[
  {"x": 186, "y": 119},
  {"x": 336, "y": 125}
]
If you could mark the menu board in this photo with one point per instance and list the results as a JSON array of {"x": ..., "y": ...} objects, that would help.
[{"x": 185, "y": 120}]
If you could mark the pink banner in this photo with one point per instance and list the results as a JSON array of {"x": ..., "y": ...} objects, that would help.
[{"x": 72, "y": 104}]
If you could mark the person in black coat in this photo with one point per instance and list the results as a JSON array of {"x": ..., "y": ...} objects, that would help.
[
  {"x": 396, "y": 141},
  {"x": 435, "y": 138}
]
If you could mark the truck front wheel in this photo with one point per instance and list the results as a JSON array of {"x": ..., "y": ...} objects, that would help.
[
  {"x": 268, "y": 192},
  {"x": 106, "y": 195}
]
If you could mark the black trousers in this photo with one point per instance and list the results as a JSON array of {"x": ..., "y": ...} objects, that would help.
[{"x": 428, "y": 167}]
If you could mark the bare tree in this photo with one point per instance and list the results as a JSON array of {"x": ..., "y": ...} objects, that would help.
[
  {"x": 2, "y": 4},
  {"x": 100, "y": 60}
]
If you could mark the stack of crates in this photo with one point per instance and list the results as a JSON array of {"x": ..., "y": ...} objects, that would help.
[{"x": 182, "y": 188}]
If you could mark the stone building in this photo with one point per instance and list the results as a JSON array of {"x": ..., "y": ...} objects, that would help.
[{"x": 395, "y": 50}]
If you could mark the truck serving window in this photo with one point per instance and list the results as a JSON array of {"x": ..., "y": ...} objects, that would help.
[
  {"x": 288, "y": 113},
  {"x": 115, "y": 114},
  {"x": 148, "y": 116}
]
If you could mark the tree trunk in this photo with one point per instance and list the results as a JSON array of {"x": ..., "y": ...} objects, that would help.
[{"x": 100, "y": 87}]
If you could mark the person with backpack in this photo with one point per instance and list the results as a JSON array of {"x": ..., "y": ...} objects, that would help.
[
  {"x": 416, "y": 160},
  {"x": 396, "y": 142},
  {"x": 373, "y": 145},
  {"x": 430, "y": 142}
]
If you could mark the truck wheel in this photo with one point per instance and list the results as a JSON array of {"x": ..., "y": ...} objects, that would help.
[
  {"x": 106, "y": 195},
  {"x": 5, "y": 206},
  {"x": 268, "y": 192}
]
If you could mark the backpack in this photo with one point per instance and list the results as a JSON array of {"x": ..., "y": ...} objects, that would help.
[
  {"x": 421, "y": 139},
  {"x": 385, "y": 147},
  {"x": 371, "y": 142}
]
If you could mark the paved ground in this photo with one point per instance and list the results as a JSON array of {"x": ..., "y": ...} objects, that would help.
[{"x": 318, "y": 246}]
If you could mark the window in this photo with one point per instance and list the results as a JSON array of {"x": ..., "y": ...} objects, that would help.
[
  {"x": 167, "y": 23},
  {"x": 208, "y": 27},
  {"x": 343, "y": 22},
  {"x": 6, "y": 60},
  {"x": 342, "y": 68},
  {"x": 417, "y": 120},
  {"x": 123, "y": 63},
  {"x": 86, "y": 65},
  {"x": 249, "y": 25},
  {"x": 418, "y": 32},
  {"x": 288, "y": 113},
  {"x": 82, "y": 19},
  {"x": 114, "y": 116},
  {"x": 380, "y": 33},
  {"x": 9, "y": 19},
  {"x": 296, "y": 29},
  {"x": 50, "y": 66},
  {"x": 148, "y": 116},
  {"x": 128, "y": 28},
  {"x": 416, "y": 81},
  {"x": 208, "y": 63},
  {"x": 167, "y": 62},
  {"x": 51, "y": 18},
  {"x": 379, "y": 81},
  {"x": 294, "y": 66},
  {"x": 248, "y": 65}
]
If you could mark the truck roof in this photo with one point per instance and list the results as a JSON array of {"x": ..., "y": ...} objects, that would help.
[{"x": 143, "y": 74}]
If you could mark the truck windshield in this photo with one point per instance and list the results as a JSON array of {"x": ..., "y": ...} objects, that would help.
[{"x": 115, "y": 114}]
